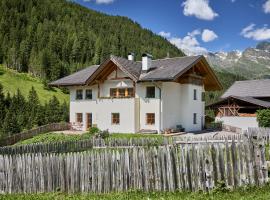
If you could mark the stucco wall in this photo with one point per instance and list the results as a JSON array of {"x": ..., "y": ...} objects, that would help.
[
  {"x": 176, "y": 107},
  {"x": 171, "y": 105},
  {"x": 241, "y": 122},
  {"x": 101, "y": 110},
  {"x": 190, "y": 106},
  {"x": 148, "y": 105}
]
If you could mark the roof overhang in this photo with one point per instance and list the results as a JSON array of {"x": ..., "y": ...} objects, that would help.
[{"x": 211, "y": 82}]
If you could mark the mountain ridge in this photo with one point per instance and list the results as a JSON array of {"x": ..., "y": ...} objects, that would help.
[{"x": 252, "y": 63}]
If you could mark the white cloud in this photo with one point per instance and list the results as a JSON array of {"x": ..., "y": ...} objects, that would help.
[
  {"x": 165, "y": 34},
  {"x": 256, "y": 34},
  {"x": 101, "y": 1},
  {"x": 199, "y": 8},
  {"x": 208, "y": 35},
  {"x": 266, "y": 6},
  {"x": 189, "y": 44}
]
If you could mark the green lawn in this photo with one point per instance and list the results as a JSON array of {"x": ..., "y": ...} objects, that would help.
[
  {"x": 60, "y": 137},
  {"x": 54, "y": 137},
  {"x": 12, "y": 80},
  {"x": 251, "y": 193}
]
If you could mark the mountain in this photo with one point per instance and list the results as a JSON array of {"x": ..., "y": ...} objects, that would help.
[
  {"x": 252, "y": 63},
  {"x": 52, "y": 38}
]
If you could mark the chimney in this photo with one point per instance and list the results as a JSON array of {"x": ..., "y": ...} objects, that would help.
[
  {"x": 131, "y": 56},
  {"x": 146, "y": 61}
]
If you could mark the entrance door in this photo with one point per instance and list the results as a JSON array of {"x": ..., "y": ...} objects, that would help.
[{"x": 89, "y": 121}]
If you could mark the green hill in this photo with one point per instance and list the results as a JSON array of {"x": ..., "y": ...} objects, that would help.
[
  {"x": 53, "y": 38},
  {"x": 12, "y": 80}
]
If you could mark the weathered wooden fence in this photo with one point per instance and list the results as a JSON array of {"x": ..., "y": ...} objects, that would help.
[
  {"x": 258, "y": 133},
  {"x": 163, "y": 168},
  {"x": 30, "y": 133},
  {"x": 83, "y": 145}
]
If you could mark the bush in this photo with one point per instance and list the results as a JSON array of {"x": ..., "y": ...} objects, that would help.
[
  {"x": 93, "y": 130},
  {"x": 104, "y": 134},
  {"x": 263, "y": 118}
]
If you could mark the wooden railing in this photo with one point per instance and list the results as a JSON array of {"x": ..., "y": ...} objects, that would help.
[{"x": 30, "y": 133}]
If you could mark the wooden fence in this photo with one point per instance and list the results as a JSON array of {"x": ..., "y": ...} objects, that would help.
[
  {"x": 259, "y": 133},
  {"x": 30, "y": 133},
  {"x": 163, "y": 168},
  {"x": 83, "y": 145}
]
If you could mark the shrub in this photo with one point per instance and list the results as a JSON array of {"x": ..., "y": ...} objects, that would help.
[
  {"x": 263, "y": 117},
  {"x": 93, "y": 130},
  {"x": 104, "y": 134}
]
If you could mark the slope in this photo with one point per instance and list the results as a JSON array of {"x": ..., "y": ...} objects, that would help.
[{"x": 12, "y": 80}]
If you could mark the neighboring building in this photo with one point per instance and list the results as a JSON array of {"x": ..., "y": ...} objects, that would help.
[
  {"x": 240, "y": 102},
  {"x": 126, "y": 96}
]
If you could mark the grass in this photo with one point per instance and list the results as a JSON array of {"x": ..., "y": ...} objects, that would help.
[
  {"x": 54, "y": 137},
  {"x": 132, "y": 135},
  {"x": 249, "y": 193},
  {"x": 12, "y": 80},
  {"x": 60, "y": 137}
]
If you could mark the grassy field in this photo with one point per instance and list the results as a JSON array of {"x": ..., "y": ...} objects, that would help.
[
  {"x": 60, "y": 137},
  {"x": 251, "y": 193},
  {"x": 12, "y": 80}
]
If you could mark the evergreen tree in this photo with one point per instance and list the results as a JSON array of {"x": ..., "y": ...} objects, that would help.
[
  {"x": 33, "y": 108},
  {"x": 53, "y": 113},
  {"x": 2, "y": 107}
]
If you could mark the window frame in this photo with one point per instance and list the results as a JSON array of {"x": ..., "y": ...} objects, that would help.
[
  {"x": 113, "y": 119},
  {"x": 152, "y": 118},
  {"x": 195, "y": 121},
  {"x": 91, "y": 94},
  {"x": 195, "y": 95},
  {"x": 81, "y": 93},
  {"x": 126, "y": 92},
  {"x": 77, "y": 117},
  {"x": 147, "y": 95}
]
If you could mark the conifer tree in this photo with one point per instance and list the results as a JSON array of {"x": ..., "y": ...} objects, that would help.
[{"x": 33, "y": 108}]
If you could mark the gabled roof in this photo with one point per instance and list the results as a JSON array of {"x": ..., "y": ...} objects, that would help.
[
  {"x": 250, "y": 88},
  {"x": 251, "y": 100},
  {"x": 78, "y": 78},
  {"x": 168, "y": 69}
]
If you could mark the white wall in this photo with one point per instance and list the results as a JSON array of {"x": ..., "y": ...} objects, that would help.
[
  {"x": 101, "y": 110},
  {"x": 190, "y": 106},
  {"x": 176, "y": 107},
  {"x": 240, "y": 122},
  {"x": 148, "y": 105},
  {"x": 171, "y": 105}
]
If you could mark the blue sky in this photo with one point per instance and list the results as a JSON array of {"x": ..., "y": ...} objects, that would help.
[{"x": 197, "y": 25}]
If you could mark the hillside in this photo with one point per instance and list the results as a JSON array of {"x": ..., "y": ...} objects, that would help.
[
  {"x": 252, "y": 63},
  {"x": 12, "y": 80},
  {"x": 53, "y": 38}
]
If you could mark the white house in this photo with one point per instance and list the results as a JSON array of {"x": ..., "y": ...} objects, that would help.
[
  {"x": 238, "y": 105},
  {"x": 127, "y": 96}
]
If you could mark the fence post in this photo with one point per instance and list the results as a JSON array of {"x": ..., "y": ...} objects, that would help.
[{"x": 260, "y": 165}]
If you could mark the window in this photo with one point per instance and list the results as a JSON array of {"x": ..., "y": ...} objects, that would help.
[
  {"x": 150, "y": 118},
  {"x": 79, "y": 94},
  {"x": 115, "y": 118},
  {"x": 130, "y": 92},
  {"x": 194, "y": 94},
  {"x": 113, "y": 92},
  {"x": 121, "y": 92},
  {"x": 79, "y": 117},
  {"x": 194, "y": 118},
  {"x": 150, "y": 92},
  {"x": 88, "y": 94}
]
